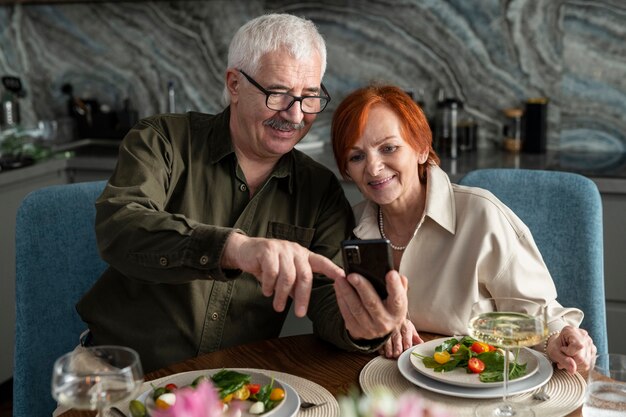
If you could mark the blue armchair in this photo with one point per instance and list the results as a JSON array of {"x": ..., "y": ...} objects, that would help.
[
  {"x": 564, "y": 213},
  {"x": 57, "y": 261}
]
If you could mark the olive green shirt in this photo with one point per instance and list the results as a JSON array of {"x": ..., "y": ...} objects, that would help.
[{"x": 162, "y": 222}]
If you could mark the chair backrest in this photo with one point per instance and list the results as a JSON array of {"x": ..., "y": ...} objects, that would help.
[
  {"x": 564, "y": 213},
  {"x": 57, "y": 261}
]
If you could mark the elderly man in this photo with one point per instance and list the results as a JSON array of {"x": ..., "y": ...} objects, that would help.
[{"x": 206, "y": 217}]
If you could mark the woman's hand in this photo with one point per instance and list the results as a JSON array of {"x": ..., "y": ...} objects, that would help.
[
  {"x": 572, "y": 350},
  {"x": 400, "y": 340},
  {"x": 365, "y": 315}
]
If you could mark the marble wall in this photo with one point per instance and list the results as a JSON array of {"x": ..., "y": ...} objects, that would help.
[{"x": 492, "y": 54}]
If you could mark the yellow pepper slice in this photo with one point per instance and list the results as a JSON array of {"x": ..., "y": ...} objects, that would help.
[{"x": 441, "y": 357}]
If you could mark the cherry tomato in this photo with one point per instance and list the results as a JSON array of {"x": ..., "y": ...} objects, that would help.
[
  {"x": 479, "y": 347},
  {"x": 227, "y": 398},
  {"x": 492, "y": 348},
  {"x": 441, "y": 357},
  {"x": 254, "y": 388},
  {"x": 171, "y": 387},
  {"x": 455, "y": 348},
  {"x": 475, "y": 365},
  {"x": 277, "y": 394}
]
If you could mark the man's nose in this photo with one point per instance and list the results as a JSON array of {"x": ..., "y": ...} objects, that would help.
[{"x": 294, "y": 113}]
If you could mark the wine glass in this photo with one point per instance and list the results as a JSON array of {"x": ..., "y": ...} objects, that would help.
[
  {"x": 94, "y": 378},
  {"x": 507, "y": 323}
]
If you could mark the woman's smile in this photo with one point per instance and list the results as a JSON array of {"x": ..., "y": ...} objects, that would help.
[{"x": 380, "y": 183}]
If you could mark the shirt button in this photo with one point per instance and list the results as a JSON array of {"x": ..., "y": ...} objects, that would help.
[
  {"x": 204, "y": 260},
  {"x": 215, "y": 316},
  {"x": 163, "y": 261},
  {"x": 242, "y": 187}
]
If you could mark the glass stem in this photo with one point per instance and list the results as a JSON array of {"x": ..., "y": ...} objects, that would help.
[{"x": 507, "y": 410}]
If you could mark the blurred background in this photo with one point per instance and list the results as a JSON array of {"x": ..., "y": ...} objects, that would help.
[{"x": 491, "y": 55}]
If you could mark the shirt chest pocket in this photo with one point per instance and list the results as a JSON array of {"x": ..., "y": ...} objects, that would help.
[{"x": 301, "y": 235}]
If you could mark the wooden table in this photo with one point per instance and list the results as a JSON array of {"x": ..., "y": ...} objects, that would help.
[{"x": 305, "y": 356}]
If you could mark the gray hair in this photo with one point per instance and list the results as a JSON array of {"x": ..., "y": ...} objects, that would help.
[{"x": 269, "y": 33}]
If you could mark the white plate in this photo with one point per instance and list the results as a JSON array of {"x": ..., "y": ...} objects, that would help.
[
  {"x": 540, "y": 378},
  {"x": 459, "y": 376},
  {"x": 287, "y": 408}
]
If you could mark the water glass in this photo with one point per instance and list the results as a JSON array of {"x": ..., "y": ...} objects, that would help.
[
  {"x": 95, "y": 378},
  {"x": 606, "y": 387}
]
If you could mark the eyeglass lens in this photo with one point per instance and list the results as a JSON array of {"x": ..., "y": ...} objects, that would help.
[{"x": 283, "y": 101}]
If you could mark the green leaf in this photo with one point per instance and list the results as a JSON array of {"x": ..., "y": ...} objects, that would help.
[
  {"x": 446, "y": 345},
  {"x": 494, "y": 367},
  {"x": 467, "y": 341},
  {"x": 228, "y": 381}
]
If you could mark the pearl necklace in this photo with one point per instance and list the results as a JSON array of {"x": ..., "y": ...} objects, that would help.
[{"x": 381, "y": 228}]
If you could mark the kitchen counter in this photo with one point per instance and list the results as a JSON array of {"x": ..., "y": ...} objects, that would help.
[{"x": 608, "y": 171}]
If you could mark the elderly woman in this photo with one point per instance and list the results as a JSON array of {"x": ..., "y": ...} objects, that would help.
[{"x": 455, "y": 244}]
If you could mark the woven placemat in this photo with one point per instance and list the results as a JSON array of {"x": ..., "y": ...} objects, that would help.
[
  {"x": 308, "y": 391},
  {"x": 566, "y": 391},
  {"x": 311, "y": 392}
]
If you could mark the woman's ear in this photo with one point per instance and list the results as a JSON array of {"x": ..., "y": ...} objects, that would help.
[{"x": 422, "y": 158}]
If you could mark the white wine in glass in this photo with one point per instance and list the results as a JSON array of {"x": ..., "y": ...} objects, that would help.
[
  {"x": 97, "y": 377},
  {"x": 507, "y": 323}
]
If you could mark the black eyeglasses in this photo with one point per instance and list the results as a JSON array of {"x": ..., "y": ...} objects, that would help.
[{"x": 284, "y": 101}]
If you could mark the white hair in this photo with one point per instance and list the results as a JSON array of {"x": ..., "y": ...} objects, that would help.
[{"x": 269, "y": 33}]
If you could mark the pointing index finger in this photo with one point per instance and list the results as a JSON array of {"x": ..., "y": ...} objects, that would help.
[{"x": 322, "y": 265}]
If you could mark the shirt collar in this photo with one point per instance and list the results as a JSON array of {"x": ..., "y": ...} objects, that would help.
[
  {"x": 217, "y": 132},
  {"x": 439, "y": 206},
  {"x": 440, "y": 201}
]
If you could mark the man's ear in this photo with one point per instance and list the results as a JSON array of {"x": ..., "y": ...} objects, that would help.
[{"x": 232, "y": 84}]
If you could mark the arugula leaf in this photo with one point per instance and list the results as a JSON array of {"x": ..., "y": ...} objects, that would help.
[
  {"x": 494, "y": 367},
  {"x": 228, "y": 381},
  {"x": 264, "y": 396},
  {"x": 467, "y": 341},
  {"x": 446, "y": 345}
]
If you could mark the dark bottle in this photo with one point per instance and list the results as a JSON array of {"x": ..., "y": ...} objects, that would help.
[
  {"x": 535, "y": 125},
  {"x": 446, "y": 127}
]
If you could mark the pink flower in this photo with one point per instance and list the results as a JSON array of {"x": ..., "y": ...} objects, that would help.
[
  {"x": 202, "y": 401},
  {"x": 383, "y": 403},
  {"x": 410, "y": 405}
]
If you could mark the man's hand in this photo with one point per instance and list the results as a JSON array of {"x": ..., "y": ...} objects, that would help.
[
  {"x": 283, "y": 268},
  {"x": 365, "y": 315}
]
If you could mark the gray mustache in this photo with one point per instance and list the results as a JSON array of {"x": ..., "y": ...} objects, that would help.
[{"x": 283, "y": 124}]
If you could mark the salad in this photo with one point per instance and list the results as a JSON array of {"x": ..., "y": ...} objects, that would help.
[
  {"x": 231, "y": 385},
  {"x": 476, "y": 357}
]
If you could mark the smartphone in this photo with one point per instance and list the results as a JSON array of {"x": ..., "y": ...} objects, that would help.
[{"x": 371, "y": 258}]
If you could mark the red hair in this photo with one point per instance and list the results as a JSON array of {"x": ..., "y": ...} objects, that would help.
[{"x": 351, "y": 115}]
